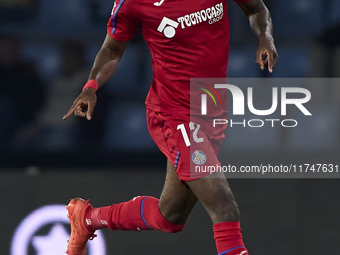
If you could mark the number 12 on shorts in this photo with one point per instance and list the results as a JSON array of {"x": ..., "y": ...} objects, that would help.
[{"x": 194, "y": 134}]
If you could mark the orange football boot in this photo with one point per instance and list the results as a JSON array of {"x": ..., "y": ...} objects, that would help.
[{"x": 79, "y": 234}]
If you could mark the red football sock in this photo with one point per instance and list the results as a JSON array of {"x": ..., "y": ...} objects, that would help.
[
  {"x": 140, "y": 213},
  {"x": 228, "y": 238}
]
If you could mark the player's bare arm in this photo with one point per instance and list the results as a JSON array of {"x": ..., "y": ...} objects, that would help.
[
  {"x": 261, "y": 24},
  {"x": 104, "y": 67}
]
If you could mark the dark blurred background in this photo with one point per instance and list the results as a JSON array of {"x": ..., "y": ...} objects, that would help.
[{"x": 46, "y": 51}]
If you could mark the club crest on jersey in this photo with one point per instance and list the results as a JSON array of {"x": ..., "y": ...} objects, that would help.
[
  {"x": 198, "y": 157},
  {"x": 211, "y": 15}
]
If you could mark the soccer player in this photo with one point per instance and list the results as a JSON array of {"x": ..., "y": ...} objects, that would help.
[{"x": 187, "y": 39}]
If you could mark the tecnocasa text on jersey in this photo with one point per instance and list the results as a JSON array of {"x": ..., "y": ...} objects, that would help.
[{"x": 211, "y": 14}]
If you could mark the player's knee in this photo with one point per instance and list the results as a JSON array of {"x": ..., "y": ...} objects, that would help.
[
  {"x": 173, "y": 225},
  {"x": 175, "y": 228},
  {"x": 171, "y": 221},
  {"x": 177, "y": 216},
  {"x": 177, "y": 219}
]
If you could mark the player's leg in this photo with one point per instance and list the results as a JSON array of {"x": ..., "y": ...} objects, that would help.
[
  {"x": 168, "y": 214},
  {"x": 176, "y": 201},
  {"x": 217, "y": 198},
  {"x": 143, "y": 212},
  {"x": 213, "y": 190}
]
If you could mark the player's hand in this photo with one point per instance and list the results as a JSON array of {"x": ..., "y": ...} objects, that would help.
[
  {"x": 266, "y": 54},
  {"x": 84, "y": 105}
]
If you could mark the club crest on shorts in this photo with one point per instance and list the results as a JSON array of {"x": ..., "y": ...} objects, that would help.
[{"x": 198, "y": 157}]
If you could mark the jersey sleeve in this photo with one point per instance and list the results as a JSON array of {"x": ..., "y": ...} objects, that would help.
[{"x": 123, "y": 23}]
